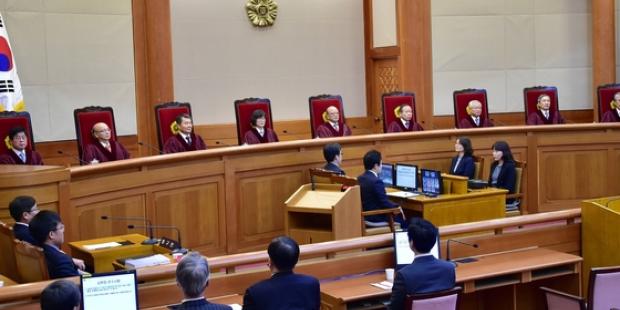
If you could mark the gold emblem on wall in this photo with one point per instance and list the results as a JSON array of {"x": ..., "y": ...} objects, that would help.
[{"x": 262, "y": 13}]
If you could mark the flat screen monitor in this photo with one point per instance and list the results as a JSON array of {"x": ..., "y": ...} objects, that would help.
[
  {"x": 387, "y": 174},
  {"x": 403, "y": 253},
  {"x": 406, "y": 177},
  {"x": 115, "y": 290},
  {"x": 431, "y": 182}
]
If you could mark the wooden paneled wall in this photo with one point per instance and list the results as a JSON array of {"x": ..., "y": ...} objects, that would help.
[{"x": 231, "y": 200}]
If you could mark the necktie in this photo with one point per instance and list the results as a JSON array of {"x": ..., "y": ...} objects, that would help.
[
  {"x": 188, "y": 139},
  {"x": 477, "y": 120},
  {"x": 22, "y": 156},
  {"x": 546, "y": 114},
  {"x": 336, "y": 127},
  {"x": 406, "y": 124}
]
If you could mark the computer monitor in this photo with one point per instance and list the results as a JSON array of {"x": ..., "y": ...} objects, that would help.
[
  {"x": 387, "y": 174},
  {"x": 115, "y": 290},
  {"x": 402, "y": 251},
  {"x": 406, "y": 176},
  {"x": 431, "y": 182}
]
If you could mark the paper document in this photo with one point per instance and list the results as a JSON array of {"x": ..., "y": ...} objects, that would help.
[
  {"x": 99, "y": 246},
  {"x": 385, "y": 285},
  {"x": 153, "y": 260},
  {"x": 403, "y": 194},
  {"x": 236, "y": 306}
]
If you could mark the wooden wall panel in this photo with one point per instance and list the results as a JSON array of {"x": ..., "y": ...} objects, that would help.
[{"x": 90, "y": 225}]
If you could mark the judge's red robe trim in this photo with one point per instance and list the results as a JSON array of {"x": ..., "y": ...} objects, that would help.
[
  {"x": 253, "y": 137},
  {"x": 468, "y": 122},
  {"x": 101, "y": 154},
  {"x": 177, "y": 144},
  {"x": 10, "y": 158},
  {"x": 537, "y": 118},
  {"x": 398, "y": 126},
  {"x": 326, "y": 130},
  {"x": 611, "y": 116}
]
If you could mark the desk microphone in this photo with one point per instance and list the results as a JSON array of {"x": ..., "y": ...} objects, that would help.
[
  {"x": 149, "y": 225},
  {"x": 140, "y": 143},
  {"x": 180, "y": 249},
  {"x": 73, "y": 157},
  {"x": 473, "y": 245},
  {"x": 223, "y": 143}
]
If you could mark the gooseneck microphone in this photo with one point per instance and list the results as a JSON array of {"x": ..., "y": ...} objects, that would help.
[
  {"x": 149, "y": 225},
  {"x": 140, "y": 143},
  {"x": 180, "y": 249},
  {"x": 473, "y": 245}
]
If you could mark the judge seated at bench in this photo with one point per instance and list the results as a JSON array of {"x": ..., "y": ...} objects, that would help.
[
  {"x": 104, "y": 148},
  {"x": 426, "y": 274},
  {"x": 259, "y": 133},
  {"x": 332, "y": 153},
  {"x": 332, "y": 127},
  {"x": 18, "y": 152},
  {"x": 23, "y": 209},
  {"x": 193, "y": 278},
  {"x": 405, "y": 122},
  {"x": 613, "y": 115},
  {"x": 543, "y": 114},
  {"x": 185, "y": 140},
  {"x": 475, "y": 118}
]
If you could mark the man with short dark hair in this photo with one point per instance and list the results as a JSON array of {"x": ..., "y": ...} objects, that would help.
[
  {"x": 193, "y": 278},
  {"x": 284, "y": 290},
  {"x": 425, "y": 274},
  {"x": 19, "y": 154},
  {"x": 61, "y": 295},
  {"x": 23, "y": 209},
  {"x": 332, "y": 153},
  {"x": 48, "y": 232},
  {"x": 186, "y": 140}
]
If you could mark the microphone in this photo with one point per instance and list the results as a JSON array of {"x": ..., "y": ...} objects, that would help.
[
  {"x": 140, "y": 143},
  {"x": 179, "y": 249},
  {"x": 149, "y": 225},
  {"x": 464, "y": 260},
  {"x": 73, "y": 157},
  {"x": 222, "y": 143}
]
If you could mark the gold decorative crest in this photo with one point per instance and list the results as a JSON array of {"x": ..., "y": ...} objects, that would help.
[{"x": 262, "y": 13}]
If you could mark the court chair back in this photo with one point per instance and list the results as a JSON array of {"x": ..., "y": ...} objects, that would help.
[
  {"x": 557, "y": 300},
  {"x": 318, "y": 175},
  {"x": 166, "y": 114},
  {"x": 390, "y": 105},
  {"x": 530, "y": 98},
  {"x": 606, "y": 98},
  {"x": 31, "y": 264},
  {"x": 85, "y": 119},
  {"x": 318, "y": 114},
  {"x": 478, "y": 167},
  {"x": 516, "y": 206},
  {"x": 462, "y": 97},
  {"x": 8, "y": 267},
  {"x": 243, "y": 113},
  {"x": 10, "y": 119},
  {"x": 444, "y": 300},
  {"x": 603, "y": 288}
]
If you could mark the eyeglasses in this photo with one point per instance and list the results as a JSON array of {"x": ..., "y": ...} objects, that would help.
[{"x": 103, "y": 130}]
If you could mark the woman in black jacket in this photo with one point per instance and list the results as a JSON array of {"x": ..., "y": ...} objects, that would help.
[
  {"x": 463, "y": 163},
  {"x": 503, "y": 173}
]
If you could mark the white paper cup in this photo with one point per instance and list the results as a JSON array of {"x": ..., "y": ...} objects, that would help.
[
  {"x": 389, "y": 274},
  {"x": 177, "y": 257}
]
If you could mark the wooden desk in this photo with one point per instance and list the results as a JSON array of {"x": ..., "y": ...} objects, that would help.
[
  {"x": 7, "y": 281},
  {"x": 101, "y": 260},
  {"x": 448, "y": 209},
  {"x": 505, "y": 280}
]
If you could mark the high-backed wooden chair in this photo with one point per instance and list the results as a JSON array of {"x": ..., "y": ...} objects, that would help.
[
  {"x": 443, "y": 300},
  {"x": 557, "y": 300},
  {"x": 8, "y": 267},
  {"x": 86, "y": 118},
  {"x": 243, "y": 113},
  {"x": 606, "y": 101},
  {"x": 515, "y": 207},
  {"x": 390, "y": 105},
  {"x": 318, "y": 175},
  {"x": 30, "y": 261},
  {"x": 12, "y": 119},
  {"x": 462, "y": 98},
  {"x": 318, "y": 114},
  {"x": 478, "y": 167},
  {"x": 166, "y": 114},
  {"x": 530, "y": 98}
]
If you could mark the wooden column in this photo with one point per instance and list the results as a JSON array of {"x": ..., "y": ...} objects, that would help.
[
  {"x": 603, "y": 46},
  {"x": 153, "y": 65}
]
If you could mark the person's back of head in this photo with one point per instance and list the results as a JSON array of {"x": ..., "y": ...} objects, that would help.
[
  {"x": 372, "y": 158},
  {"x": 283, "y": 253},
  {"x": 422, "y": 235},
  {"x": 42, "y": 224},
  {"x": 193, "y": 275},
  {"x": 61, "y": 295},
  {"x": 330, "y": 151},
  {"x": 21, "y": 205}
]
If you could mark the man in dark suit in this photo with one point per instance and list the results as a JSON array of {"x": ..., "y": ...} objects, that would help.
[
  {"x": 48, "y": 232},
  {"x": 425, "y": 274},
  {"x": 193, "y": 278},
  {"x": 61, "y": 295},
  {"x": 333, "y": 156},
  {"x": 285, "y": 290},
  {"x": 23, "y": 209},
  {"x": 372, "y": 190}
]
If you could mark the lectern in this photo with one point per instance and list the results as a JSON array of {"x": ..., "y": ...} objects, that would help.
[{"x": 323, "y": 214}]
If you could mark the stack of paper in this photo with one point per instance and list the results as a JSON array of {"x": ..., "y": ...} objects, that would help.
[
  {"x": 99, "y": 246},
  {"x": 153, "y": 260}
]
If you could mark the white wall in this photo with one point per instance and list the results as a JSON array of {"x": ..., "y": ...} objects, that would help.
[
  {"x": 314, "y": 47},
  {"x": 71, "y": 54},
  {"x": 504, "y": 46}
]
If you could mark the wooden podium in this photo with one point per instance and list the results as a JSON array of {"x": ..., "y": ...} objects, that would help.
[{"x": 323, "y": 214}]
